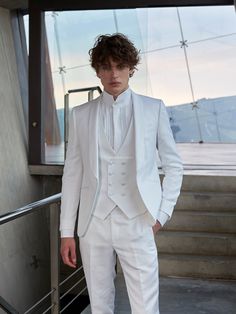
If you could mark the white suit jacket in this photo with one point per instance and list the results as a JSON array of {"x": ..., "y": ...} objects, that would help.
[{"x": 80, "y": 182}]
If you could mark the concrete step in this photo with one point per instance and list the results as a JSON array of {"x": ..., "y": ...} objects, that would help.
[
  {"x": 207, "y": 201},
  {"x": 180, "y": 265},
  {"x": 205, "y": 221},
  {"x": 202, "y": 183},
  {"x": 197, "y": 243},
  {"x": 200, "y": 239}
]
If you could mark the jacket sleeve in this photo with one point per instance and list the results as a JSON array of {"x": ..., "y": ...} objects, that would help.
[
  {"x": 71, "y": 181},
  {"x": 171, "y": 165}
]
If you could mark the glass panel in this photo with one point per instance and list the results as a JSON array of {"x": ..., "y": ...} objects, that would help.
[
  {"x": 187, "y": 59},
  {"x": 168, "y": 76},
  {"x": 210, "y": 35},
  {"x": 201, "y": 23}
]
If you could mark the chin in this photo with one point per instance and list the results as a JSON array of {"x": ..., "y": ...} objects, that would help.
[{"x": 115, "y": 91}]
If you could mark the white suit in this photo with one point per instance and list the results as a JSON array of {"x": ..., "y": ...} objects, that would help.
[
  {"x": 81, "y": 185},
  {"x": 81, "y": 173}
]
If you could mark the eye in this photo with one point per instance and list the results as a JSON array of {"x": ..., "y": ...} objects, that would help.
[
  {"x": 105, "y": 67},
  {"x": 121, "y": 66}
]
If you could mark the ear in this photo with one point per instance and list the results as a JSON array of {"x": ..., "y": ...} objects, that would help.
[
  {"x": 131, "y": 72},
  {"x": 98, "y": 75}
]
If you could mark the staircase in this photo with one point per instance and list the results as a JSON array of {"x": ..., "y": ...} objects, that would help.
[{"x": 200, "y": 239}]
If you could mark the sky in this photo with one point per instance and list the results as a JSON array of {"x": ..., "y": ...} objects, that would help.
[{"x": 209, "y": 32}]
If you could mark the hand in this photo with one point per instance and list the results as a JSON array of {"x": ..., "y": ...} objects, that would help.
[
  {"x": 156, "y": 227},
  {"x": 68, "y": 251}
]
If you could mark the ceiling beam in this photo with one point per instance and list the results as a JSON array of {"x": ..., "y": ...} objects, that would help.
[
  {"x": 14, "y": 4},
  {"x": 58, "y": 5}
]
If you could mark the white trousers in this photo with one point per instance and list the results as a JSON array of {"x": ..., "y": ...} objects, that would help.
[{"x": 133, "y": 241}]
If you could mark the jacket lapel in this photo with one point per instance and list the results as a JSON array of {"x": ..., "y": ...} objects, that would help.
[
  {"x": 93, "y": 137},
  {"x": 138, "y": 130}
]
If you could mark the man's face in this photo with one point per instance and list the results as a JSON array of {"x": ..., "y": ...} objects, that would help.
[{"x": 114, "y": 77}]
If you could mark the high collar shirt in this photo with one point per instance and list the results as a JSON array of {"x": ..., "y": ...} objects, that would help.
[{"x": 116, "y": 116}]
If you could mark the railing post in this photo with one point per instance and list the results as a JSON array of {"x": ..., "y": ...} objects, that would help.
[
  {"x": 55, "y": 258},
  {"x": 66, "y": 122},
  {"x": 90, "y": 95}
]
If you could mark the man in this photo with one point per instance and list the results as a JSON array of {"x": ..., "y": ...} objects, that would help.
[{"x": 111, "y": 174}]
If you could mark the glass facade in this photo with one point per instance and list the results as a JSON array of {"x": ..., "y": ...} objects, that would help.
[{"x": 188, "y": 59}]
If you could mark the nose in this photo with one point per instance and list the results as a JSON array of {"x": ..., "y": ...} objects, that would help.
[{"x": 114, "y": 73}]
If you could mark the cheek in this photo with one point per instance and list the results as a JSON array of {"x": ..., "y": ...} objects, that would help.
[
  {"x": 126, "y": 76},
  {"x": 103, "y": 78}
]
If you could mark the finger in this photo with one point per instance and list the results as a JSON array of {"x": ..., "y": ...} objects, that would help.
[
  {"x": 68, "y": 252},
  {"x": 65, "y": 254},
  {"x": 67, "y": 260},
  {"x": 73, "y": 255},
  {"x": 69, "y": 263}
]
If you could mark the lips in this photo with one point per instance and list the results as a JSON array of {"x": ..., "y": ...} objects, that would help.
[{"x": 115, "y": 83}]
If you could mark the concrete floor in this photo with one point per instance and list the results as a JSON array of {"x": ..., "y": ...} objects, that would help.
[
  {"x": 208, "y": 158},
  {"x": 185, "y": 296},
  {"x": 217, "y": 154}
]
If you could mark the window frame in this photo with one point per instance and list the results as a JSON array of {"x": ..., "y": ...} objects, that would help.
[{"x": 37, "y": 10}]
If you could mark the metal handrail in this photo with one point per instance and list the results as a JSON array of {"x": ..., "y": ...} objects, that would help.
[
  {"x": 90, "y": 91},
  {"x": 71, "y": 288},
  {"x": 7, "y": 307},
  {"x": 71, "y": 275},
  {"x": 53, "y": 202},
  {"x": 28, "y": 209},
  {"x": 73, "y": 299},
  {"x": 39, "y": 301},
  {"x": 85, "y": 89}
]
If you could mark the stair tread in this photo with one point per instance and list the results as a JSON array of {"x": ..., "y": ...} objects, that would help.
[
  {"x": 206, "y": 212},
  {"x": 179, "y": 256},
  {"x": 203, "y": 209},
  {"x": 211, "y": 193},
  {"x": 201, "y": 238},
  {"x": 196, "y": 234}
]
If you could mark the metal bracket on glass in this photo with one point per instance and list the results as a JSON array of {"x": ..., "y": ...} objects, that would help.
[{"x": 183, "y": 43}]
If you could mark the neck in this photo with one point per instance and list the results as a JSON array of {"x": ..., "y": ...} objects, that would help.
[{"x": 116, "y": 95}]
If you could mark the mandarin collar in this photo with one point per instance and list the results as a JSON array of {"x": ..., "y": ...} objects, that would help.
[{"x": 122, "y": 100}]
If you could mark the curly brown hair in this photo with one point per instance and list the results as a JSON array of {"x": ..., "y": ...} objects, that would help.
[{"x": 116, "y": 47}]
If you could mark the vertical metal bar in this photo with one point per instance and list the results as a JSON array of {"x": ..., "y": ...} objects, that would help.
[
  {"x": 195, "y": 107},
  {"x": 90, "y": 95},
  {"x": 66, "y": 122},
  {"x": 54, "y": 250},
  {"x": 36, "y": 57}
]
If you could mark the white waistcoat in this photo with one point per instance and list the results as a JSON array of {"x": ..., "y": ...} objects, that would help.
[{"x": 118, "y": 177}]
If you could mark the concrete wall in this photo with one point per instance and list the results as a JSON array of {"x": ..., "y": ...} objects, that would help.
[{"x": 24, "y": 257}]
